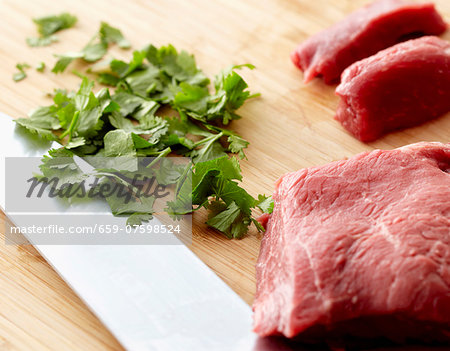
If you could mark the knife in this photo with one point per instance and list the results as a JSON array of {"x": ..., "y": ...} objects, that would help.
[{"x": 151, "y": 297}]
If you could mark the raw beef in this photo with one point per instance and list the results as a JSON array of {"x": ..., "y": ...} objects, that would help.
[
  {"x": 399, "y": 87},
  {"x": 360, "y": 247},
  {"x": 363, "y": 33}
]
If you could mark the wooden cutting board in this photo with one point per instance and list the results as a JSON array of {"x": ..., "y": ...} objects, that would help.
[{"x": 290, "y": 127}]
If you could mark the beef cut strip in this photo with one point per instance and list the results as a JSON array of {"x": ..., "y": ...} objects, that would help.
[
  {"x": 360, "y": 248},
  {"x": 403, "y": 86},
  {"x": 364, "y": 33}
]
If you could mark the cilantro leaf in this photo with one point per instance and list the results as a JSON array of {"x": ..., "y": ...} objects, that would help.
[
  {"x": 145, "y": 81},
  {"x": 41, "y": 121},
  {"x": 138, "y": 218},
  {"x": 168, "y": 172},
  {"x": 60, "y": 165},
  {"x": 65, "y": 60},
  {"x": 237, "y": 145},
  {"x": 139, "y": 142},
  {"x": 94, "y": 52},
  {"x": 179, "y": 66},
  {"x": 48, "y": 25},
  {"x": 193, "y": 98},
  {"x": 225, "y": 219},
  {"x": 231, "y": 207},
  {"x": 119, "y": 206},
  {"x": 35, "y": 126},
  {"x": 110, "y": 35},
  {"x": 119, "y": 143},
  {"x": 40, "y": 67},
  {"x": 228, "y": 167},
  {"x": 75, "y": 142},
  {"x": 123, "y": 69},
  {"x": 141, "y": 109},
  {"x": 17, "y": 77},
  {"x": 42, "y": 41},
  {"x": 95, "y": 49},
  {"x": 230, "y": 94},
  {"x": 210, "y": 150},
  {"x": 265, "y": 203}
]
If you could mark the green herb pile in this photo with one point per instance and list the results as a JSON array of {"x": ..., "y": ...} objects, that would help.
[{"x": 130, "y": 118}]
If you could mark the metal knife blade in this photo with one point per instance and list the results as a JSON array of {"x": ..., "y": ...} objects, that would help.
[{"x": 151, "y": 297}]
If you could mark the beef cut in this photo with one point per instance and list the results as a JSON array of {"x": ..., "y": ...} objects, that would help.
[
  {"x": 403, "y": 86},
  {"x": 364, "y": 33},
  {"x": 360, "y": 247}
]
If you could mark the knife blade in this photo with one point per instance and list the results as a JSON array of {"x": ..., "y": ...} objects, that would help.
[{"x": 151, "y": 297}]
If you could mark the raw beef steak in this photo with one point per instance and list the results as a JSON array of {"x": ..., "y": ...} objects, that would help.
[
  {"x": 399, "y": 87},
  {"x": 363, "y": 33},
  {"x": 360, "y": 247}
]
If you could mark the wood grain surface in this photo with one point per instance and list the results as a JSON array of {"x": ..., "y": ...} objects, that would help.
[{"x": 290, "y": 127}]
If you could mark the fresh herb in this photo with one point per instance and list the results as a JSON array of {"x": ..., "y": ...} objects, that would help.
[
  {"x": 265, "y": 203},
  {"x": 95, "y": 49},
  {"x": 230, "y": 208},
  {"x": 49, "y": 25},
  {"x": 18, "y": 76},
  {"x": 132, "y": 121},
  {"x": 42, "y": 41},
  {"x": 112, "y": 35},
  {"x": 40, "y": 67}
]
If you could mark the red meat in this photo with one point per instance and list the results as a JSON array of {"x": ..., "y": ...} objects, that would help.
[
  {"x": 364, "y": 33},
  {"x": 399, "y": 87},
  {"x": 360, "y": 247}
]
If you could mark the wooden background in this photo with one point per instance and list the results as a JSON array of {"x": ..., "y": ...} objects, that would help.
[{"x": 290, "y": 127}]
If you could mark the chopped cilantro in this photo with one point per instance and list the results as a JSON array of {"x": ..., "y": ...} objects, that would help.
[{"x": 131, "y": 121}]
